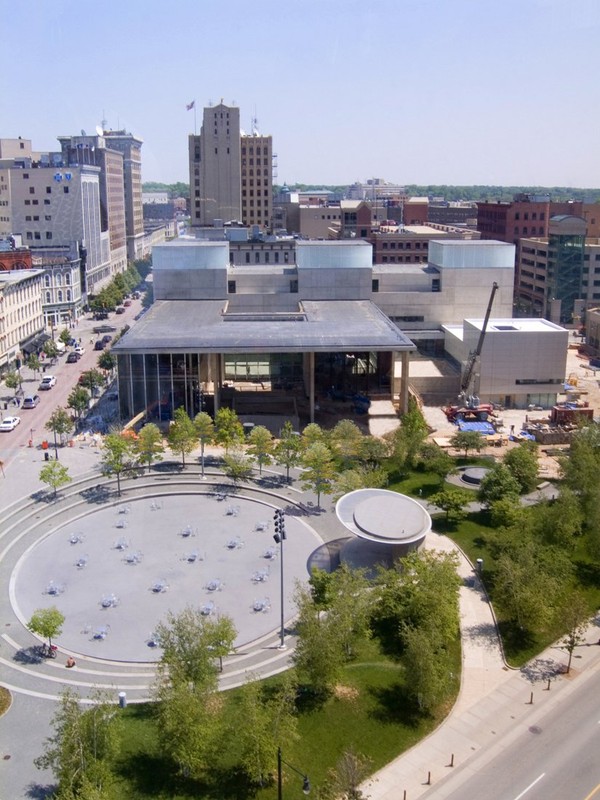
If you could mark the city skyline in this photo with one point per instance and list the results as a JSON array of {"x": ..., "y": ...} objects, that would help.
[{"x": 411, "y": 91}]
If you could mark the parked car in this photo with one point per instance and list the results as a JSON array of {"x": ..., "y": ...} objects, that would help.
[
  {"x": 99, "y": 344},
  {"x": 127, "y": 303},
  {"x": 48, "y": 381},
  {"x": 120, "y": 310},
  {"x": 101, "y": 315},
  {"x": 106, "y": 338},
  {"x": 73, "y": 357},
  {"x": 9, "y": 423},
  {"x": 136, "y": 295},
  {"x": 31, "y": 400},
  {"x": 104, "y": 329},
  {"x": 79, "y": 350}
]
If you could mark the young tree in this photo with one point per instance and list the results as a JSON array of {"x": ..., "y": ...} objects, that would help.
[
  {"x": 79, "y": 401},
  {"x": 288, "y": 448},
  {"x": 13, "y": 380},
  {"x": 107, "y": 361},
  {"x": 50, "y": 349},
  {"x": 574, "y": 615},
  {"x": 408, "y": 438},
  {"x": 452, "y": 502},
  {"x": 467, "y": 440},
  {"x": 92, "y": 379},
  {"x": 429, "y": 667},
  {"x": 237, "y": 465},
  {"x": 117, "y": 456},
  {"x": 228, "y": 429},
  {"x": 361, "y": 477},
  {"x": 65, "y": 336},
  {"x": 261, "y": 446},
  {"x": 499, "y": 483},
  {"x": 55, "y": 475},
  {"x": 47, "y": 622},
  {"x": 149, "y": 445},
  {"x": 344, "y": 780},
  {"x": 34, "y": 363},
  {"x": 345, "y": 442},
  {"x": 84, "y": 746},
  {"x": 318, "y": 470},
  {"x": 523, "y": 465},
  {"x": 60, "y": 424},
  {"x": 182, "y": 436},
  {"x": 205, "y": 431},
  {"x": 349, "y": 605},
  {"x": 436, "y": 460},
  {"x": 312, "y": 434}
]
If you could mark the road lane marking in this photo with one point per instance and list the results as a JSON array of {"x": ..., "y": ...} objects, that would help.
[
  {"x": 531, "y": 785},
  {"x": 592, "y": 793}
]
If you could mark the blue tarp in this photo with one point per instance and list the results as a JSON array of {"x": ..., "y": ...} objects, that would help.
[{"x": 485, "y": 428}]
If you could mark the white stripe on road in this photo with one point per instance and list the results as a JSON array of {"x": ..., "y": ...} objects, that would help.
[{"x": 531, "y": 785}]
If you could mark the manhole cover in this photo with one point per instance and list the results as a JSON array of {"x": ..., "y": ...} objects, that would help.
[{"x": 535, "y": 729}]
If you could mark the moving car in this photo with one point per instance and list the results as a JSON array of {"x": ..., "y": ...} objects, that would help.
[
  {"x": 9, "y": 423},
  {"x": 31, "y": 400},
  {"x": 48, "y": 381},
  {"x": 73, "y": 358}
]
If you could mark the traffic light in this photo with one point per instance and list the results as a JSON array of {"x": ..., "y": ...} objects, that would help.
[{"x": 279, "y": 524}]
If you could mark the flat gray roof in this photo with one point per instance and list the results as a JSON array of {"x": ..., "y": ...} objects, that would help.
[{"x": 204, "y": 326}]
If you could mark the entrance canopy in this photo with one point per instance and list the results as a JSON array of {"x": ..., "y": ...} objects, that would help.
[{"x": 205, "y": 326}]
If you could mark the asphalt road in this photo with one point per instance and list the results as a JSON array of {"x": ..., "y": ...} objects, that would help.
[{"x": 557, "y": 758}]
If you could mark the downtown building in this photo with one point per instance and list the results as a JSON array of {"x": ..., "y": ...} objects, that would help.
[{"x": 231, "y": 178}]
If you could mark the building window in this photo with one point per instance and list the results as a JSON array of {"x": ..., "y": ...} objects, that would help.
[
  {"x": 67, "y": 279},
  {"x": 257, "y": 257},
  {"x": 375, "y": 285},
  {"x": 32, "y": 190},
  {"x": 517, "y": 216},
  {"x": 294, "y": 287},
  {"x": 60, "y": 296},
  {"x": 48, "y": 297},
  {"x": 29, "y": 235},
  {"x": 25, "y": 176},
  {"x": 46, "y": 280},
  {"x": 277, "y": 258},
  {"x": 27, "y": 202},
  {"x": 69, "y": 298},
  {"x": 66, "y": 189},
  {"x": 286, "y": 257},
  {"x": 48, "y": 217},
  {"x": 267, "y": 258},
  {"x": 435, "y": 285},
  {"x": 48, "y": 190},
  {"x": 37, "y": 235},
  {"x": 46, "y": 202},
  {"x": 48, "y": 234},
  {"x": 231, "y": 287},
  {"x": 247, "y": 258}
]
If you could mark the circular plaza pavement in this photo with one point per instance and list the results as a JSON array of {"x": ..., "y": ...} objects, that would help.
[{"x": 116, "y": 571}]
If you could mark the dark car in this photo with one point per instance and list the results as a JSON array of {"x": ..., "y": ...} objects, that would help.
[
  {"x": 120, "y": 310},
  {"x": 73, "y": 358},
  {"x": 101, "y": 315},
  {"x": 107, "y": 338},
  {"x": 99, "y": 345}
]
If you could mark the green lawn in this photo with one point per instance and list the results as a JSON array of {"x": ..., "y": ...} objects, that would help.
[{"x": 369, "y": 713}]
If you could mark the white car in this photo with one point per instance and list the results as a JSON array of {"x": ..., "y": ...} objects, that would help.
[
  {"x": 79, "y": 350},
  {"x": 9, "y": 423},
  {"x": 48, "y": 381}
]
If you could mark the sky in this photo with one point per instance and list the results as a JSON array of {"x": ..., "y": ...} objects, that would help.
[{"x": 502, "y": 92}]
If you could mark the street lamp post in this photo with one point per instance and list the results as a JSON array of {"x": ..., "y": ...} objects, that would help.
[
  {"x": 55, "y": 445},
  {"x": 279, "y": 538},
  {"x": 303, "y": 775}
]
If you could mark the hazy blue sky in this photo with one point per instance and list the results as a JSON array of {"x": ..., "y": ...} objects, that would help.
[{"x": 412, "y": 91}]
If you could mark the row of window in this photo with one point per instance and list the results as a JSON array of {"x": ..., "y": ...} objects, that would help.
[
  {"x": 250, "y": 172},
  {"x": 250, "y": 162},
  {"x": 267, "y": 257},
  {"x": 258, "y": 151},
  {"x": 404, "y": 259},
  {"x": 255, "y": 182},
  {"x": 37, "y": 235},
  {"x": 49, "y": 190},
  {"x": 59, "y": 297},
  {"x": 403, "y": 245},
  {"x": 534, "y": 215},
  {"x": 532, "y": 232},
  {"x": 35, "y": 218},
  {"x": 58, "y": 279}
]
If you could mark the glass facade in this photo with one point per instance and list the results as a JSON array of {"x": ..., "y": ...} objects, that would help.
[{"x": 565, "y": 272}]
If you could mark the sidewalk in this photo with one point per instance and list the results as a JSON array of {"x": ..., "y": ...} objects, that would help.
[{"x": 494, "y": 700}]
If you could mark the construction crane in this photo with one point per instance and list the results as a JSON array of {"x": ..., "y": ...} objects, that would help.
[{"x": 470, "y": 406}]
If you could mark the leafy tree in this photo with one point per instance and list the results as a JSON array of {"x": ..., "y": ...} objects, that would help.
[
  {"x": 360, "y": 477},
  {"x": 349, "y": 604},
  {"x": 229, "y": 430},
  {"x": 79, "y": 401},
  {"x": 205, "y": 431},
  {"x": 408, "y": 438},
  {"x": 318, "y": 469},
  {"x": 345, "y": 441},
  {"x": 288, "y": 448},
  {"x": 47, "y": 622},
  {"x": 149, "y": 445},
  {"x": 506, "y": 513},
  {"x": 574, "y": 616},
  {"x": 188, "y": 641},
  {"x": 467, "y": 440},
  {"x": 92, "y": 379},
  {"x": 581, "y": 469},
  {"x": 344, "y": 780},
  {"x": 117, "y": 456},
  {"x": 34, "y": 363},
  {"x": 237, "y": 465},
  {"x": 107, "y": 361},
  {"x": 429, "y": 668},
  {"x": 498, "y": 484},
  {"x": 182, "y": 435},
  {"x": 55, "y": 475},
  {"x": 559, "y": 521},
  {"x": 434, "y": 459},
  {"x": 13, "y": 380},
  {"x": 84, "y": 746},
  {"x": 261, "y": 446},
  {"x": 452, "y": 502},
  {"x": 523, "y": 465},
  {"x": 50, "y": 349},
  {"x": 312, "y": 434},
  {"x": 373, "y": 450},
  {"x": 65, "y": 336},
  {"x": 60, "y": 423}
]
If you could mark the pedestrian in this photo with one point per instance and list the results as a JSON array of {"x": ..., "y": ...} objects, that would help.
[
  {"x": 512, "y": 429},
  {"x": 70, "y": 662}
]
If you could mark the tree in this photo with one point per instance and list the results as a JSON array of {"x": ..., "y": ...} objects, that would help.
[
  {"x": 55, "y": 475},
  {"x": 318, "y": 469},
  {"x": 60, "y": 423},
  {"x": 344, "y": 780},
  {"x": 574, "y": 615},
  {"x": 50, "y": 349},
  {"x": 467, "y": 440},
  {"x": 65, "y": 336},
  {"x": 182, "y": 436},
  {"x": 47, "y": 622},
  {"x": 436, "y": 460},
  {"x": 228, "y": 428},
  {"x": 360, "y": 477},
  {"x": 79, "y": 401},
  {"x": 149, "y": 445},
  {"x": 506, "y": 513},
  {"x": 34, "y": 363},
  {"x": 205, "y": 430},
  {"x": 84, "y": 746},
  {"x": 188, "y": 641},
  {"x": 408, "y": 438},
  {"x": 13, "y": 380},
  {"x": 92, "y": 379},
  {"x": 287, "y": 450},
  {"x": 452, "y": 502},
  {"x": 237, "y": 465},
  {"x": 345, "y": 441},
  {"x": 523, "y": 465},
  {"x": 117, "y": 456},
  {"x": 312, "y": 434},
  {"x": 261, "y": 446},
  {"x": 429, "y": 667},
  {"x": 581, "y": 469},
  {"x": 349, "y": 604},
  {"x": 499, "y": 483},
  {"x": 560, "y": 520},
  {"x": 107, "y": 361}
]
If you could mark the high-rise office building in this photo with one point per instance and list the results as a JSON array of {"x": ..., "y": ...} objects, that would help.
[
  {"x": 230, "y": 171},
  {"x": 131, "y": 148}
]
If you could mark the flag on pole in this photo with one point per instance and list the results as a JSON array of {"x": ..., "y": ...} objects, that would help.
[{"x": 189, "y": 106}]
